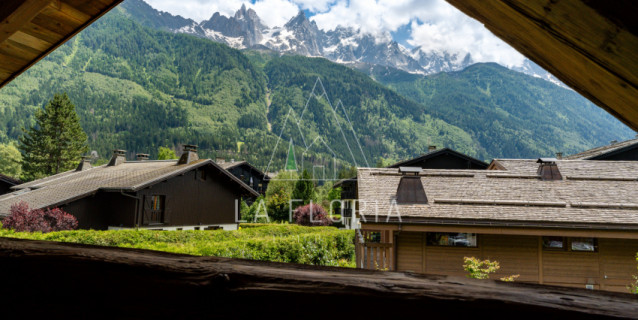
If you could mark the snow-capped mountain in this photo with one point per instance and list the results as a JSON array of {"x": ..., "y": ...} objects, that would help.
[{"x": 245, "y": 30}]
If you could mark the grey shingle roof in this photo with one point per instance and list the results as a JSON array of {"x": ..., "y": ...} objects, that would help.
[
  {"x": 509, "y": 197},
  {"x": 591, "y": 153},
  {"x": 128, "y": 176}
]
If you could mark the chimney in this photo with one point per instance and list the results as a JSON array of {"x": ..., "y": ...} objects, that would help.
[
  {"x": 548, "y": 169},
  {"x": 410, "y": 190},
  {"x": 119, "y": 157},
  {"x": 141, "y": 156},
  {"x": 431, "y": 148},
  {"x": 189, "y": 155},
  {"x": 85, "y": 164},
  {"x": 559, "y": 155},
  {"x": 220, "y": 160}
]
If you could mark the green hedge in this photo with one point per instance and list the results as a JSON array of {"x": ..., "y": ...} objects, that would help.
[{"x": 283, "y": 243}]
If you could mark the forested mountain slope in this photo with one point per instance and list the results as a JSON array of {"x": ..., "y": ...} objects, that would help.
[{"x": 512, "y": 115}]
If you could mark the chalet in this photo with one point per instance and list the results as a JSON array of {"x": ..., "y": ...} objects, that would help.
[
  {"x": 559, "y": 222},
  {"x": 189, "y": 193},
  {"x": 247, "y": 173},
  {"x": 6, "y": 183},
  {"x": 444, "y": 158},
  {"x": 625, "y": 150}
]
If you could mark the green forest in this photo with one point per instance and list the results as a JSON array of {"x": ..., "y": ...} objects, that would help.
[{"x": 139, "y": 89}]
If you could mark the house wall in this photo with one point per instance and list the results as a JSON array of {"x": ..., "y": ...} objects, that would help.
[
  {"x": 5, "y": 187},
  {"x": 630, "y": 154},
  {"x": 190, "y": 199},
  {"x": 102, "y": 210},
  {"x": 610, "y": 268}
]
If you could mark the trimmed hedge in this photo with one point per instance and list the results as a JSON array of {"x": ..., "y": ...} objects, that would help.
[{"x": 282, "y": 243}]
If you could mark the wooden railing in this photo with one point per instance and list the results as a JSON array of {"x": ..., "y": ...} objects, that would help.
[{"x": 374, "y": 249}]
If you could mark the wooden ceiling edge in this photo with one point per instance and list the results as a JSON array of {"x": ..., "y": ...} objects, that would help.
[
  {"x": 59, "y": 43},
  {"x": 503, "y": 35}
]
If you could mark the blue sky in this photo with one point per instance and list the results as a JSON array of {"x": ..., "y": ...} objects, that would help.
[{"x": 434, "y": 25}]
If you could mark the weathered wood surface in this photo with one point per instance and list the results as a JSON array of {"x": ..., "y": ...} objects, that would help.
[
  {"x": 592, "y": 46},
  {"x": 31, "y": 29},
  {"x": 68, "y": 280}
]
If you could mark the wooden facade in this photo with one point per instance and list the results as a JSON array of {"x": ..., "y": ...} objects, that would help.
[
  {"x": 610, "y": 267},
  {"x": 6, "y": 183},
  {"x": 248, "y": 174},
  {"x": 201, "y": 197}
]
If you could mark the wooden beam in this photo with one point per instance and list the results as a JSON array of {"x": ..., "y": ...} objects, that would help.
[
  {"x": 592, "y": 47},
  {"x": 21, "y": 15},
  {"x": 108, "y": 5},
  {"x": 70, "y": 280},
  {"x": 523, "y": 231}
]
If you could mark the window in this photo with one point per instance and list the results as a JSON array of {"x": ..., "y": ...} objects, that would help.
[
  {"x": 154, "y": 209},
  {"x": 570, "y": 244},
  {"x": 553, "y": 243},
  {"x": 584, "y": 244},
  {"x": 374, "y": 236},
  {"x": 451, "y": 239}
]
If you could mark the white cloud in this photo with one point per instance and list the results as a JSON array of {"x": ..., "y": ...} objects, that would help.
[{"x": 435, "y": 24}]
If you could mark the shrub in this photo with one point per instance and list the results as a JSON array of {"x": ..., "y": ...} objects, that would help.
[
  {"x": 311, "y": 215},
  {"x": 21, "y": 218},
  {"x": 479, "y": 269}
]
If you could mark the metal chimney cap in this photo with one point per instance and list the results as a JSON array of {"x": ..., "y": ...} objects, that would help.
[
  {"x": 410, "y": 169},
  {"x": 190, "y": 147},
  {"x": 119, "y": 152}
]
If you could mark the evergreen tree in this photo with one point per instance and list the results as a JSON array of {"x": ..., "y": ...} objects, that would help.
[
  {"x": 55, "y": 143},
  {"x": 304, "y": 190}
]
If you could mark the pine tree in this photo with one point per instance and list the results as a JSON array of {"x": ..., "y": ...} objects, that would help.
[
  {"x": 304, "y": 190},
  {"x": 55, "y": 143}
]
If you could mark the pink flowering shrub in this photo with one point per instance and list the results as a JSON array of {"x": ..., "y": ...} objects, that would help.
[
  {"x": 302, "y": 216},
  {"x": 21, "y": 219}
]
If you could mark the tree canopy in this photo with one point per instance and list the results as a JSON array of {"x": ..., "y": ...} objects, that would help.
[{"x": 55, "y": 143}]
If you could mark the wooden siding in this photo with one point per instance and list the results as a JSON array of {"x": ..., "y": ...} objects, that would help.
[
  {"x": 190, "y": 199},
  {"x": 410, "y": 245},
  {"x": 610, "y": 268}
]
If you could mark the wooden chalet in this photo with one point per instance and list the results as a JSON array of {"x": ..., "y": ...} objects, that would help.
[
  {"x": 188, "y": 194},
  {"x": 588, "y": 45},
  {"x": 568, "y": 223},
  {"x": 444, "y": 158},
  {"x": 7, "y": 182},
  {"x": 625, "y": 150},
  {"x": 247, "y": 173}
]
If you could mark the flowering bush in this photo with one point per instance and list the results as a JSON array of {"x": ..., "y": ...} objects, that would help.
[
  {"x": 21, "y": 218},
  {"x": 311, "y": 215}
]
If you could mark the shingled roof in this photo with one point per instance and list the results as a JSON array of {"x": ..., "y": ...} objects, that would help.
[
  {"x": 9, "y": 180},
  {"x": 593, "y": 154},
  {"x": 129, "y": 176},
  {"x": 513, "y": 197}
]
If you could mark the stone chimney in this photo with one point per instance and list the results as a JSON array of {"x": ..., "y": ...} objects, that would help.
[
  {"x": 119, "y": 157},
  {"x": 189, "y": 155},
  {"x": 431, "y": 148},
  {"x": 141, "y": 156},
  {"x": 85, "y": 164},
  {"x": 559, "y": 155}
]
